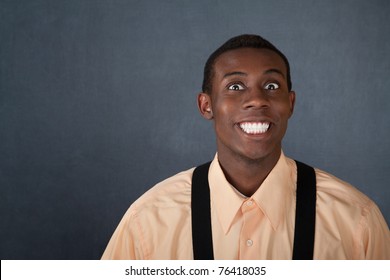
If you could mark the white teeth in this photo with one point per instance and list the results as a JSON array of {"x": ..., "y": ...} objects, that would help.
[{"x": 254, "y": 127}]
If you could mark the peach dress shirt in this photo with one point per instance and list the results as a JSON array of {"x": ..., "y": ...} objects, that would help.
[{"x": 158, "y": 225}]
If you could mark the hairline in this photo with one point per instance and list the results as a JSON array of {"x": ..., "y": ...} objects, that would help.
[{"x": 271, "y": 70}]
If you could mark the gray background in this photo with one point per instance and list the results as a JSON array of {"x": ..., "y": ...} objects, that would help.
[{"x": 98, "y": 103}]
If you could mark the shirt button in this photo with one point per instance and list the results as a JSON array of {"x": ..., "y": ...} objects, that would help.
[
  {"x": 249, "y": 242},
  {"x": 249, "y": 203}
]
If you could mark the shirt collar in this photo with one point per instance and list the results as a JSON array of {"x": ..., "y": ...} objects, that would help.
[{"x": 272, "y": 197}]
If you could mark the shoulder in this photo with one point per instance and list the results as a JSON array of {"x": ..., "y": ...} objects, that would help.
[
  {"x": 163, "y": 204},
  {"x": 344, "y": 209},
  {"x": 174, "y": 191},
  {"x": 336, "y": 191},
  {"x": 350, "y": 218},
  {"x": 145, "y": 229},
  {"x": 336, "y": 196}
]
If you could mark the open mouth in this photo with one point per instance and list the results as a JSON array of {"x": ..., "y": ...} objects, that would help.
[{"x": 254, "y": 128}]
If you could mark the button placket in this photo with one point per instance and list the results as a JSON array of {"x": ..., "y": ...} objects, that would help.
[{"x": 249, "y": 212}]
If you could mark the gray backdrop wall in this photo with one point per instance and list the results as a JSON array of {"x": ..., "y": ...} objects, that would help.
[{"x": 98, "y": 103}]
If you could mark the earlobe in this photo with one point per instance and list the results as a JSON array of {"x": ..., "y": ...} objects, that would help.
[{"x": 204, "y": 105}]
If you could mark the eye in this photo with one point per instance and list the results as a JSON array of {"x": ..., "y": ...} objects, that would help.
[
  {"x": 271, "y": 86},
  {"x": 235, "y": 87}
]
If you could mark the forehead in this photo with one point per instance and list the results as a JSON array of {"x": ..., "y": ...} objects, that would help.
[{"x": 248, "y": 60}]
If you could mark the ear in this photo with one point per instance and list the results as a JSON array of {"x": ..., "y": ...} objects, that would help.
[
  {"x": 292, "y": 102},
  {"x": 204, "y": 105}
]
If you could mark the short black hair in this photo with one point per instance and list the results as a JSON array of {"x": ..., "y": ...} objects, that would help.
[{"x": 241, "y": 41}]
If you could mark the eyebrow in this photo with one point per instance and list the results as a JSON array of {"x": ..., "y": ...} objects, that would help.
[
  {"x": 269, "y": 71},
  {"x": 236, "y": 73},
  {"x": 274, "y": 70}
]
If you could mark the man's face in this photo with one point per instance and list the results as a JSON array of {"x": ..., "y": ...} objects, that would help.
[{"x": 250, "y": 103}]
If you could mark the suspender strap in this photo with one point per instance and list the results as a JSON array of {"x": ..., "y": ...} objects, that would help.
[
  {"x": 305, "y": 213},
  {"x": 202, "y": 240}
]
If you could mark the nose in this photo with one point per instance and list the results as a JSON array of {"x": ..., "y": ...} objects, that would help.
[{"x": 256, "y": 99}]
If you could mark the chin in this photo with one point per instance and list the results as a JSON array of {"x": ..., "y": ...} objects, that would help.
[
  {"x": 259, "y": 155},
  {"x": 253, "y": 157}
]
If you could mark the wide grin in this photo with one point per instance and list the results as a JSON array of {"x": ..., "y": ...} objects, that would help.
[{"x": 254, "y": 128}]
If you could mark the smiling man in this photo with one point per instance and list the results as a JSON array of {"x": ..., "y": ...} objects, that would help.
[
  {"x": 251, "y": 201},
  {"x": 250, "y": 101}
]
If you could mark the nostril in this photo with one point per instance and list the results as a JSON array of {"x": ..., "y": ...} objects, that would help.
[
  {"x": 256, "y": 99},
  {"x": 256, "y": 103}
]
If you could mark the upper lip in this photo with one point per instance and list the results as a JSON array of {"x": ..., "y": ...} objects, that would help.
[{"x": 255, "y": 120}]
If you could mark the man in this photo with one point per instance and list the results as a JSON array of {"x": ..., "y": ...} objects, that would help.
[{"x": 252, "y": 186}]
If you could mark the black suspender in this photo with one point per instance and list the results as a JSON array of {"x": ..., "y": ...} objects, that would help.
[
  {"x": 305, "y": 213},
  {"x": 304, "y": 216},
  {"x": 202, "y": 238}
]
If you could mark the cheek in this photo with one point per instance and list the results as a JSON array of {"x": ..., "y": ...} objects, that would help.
[
  {"x": 223, "y": 118},
  {"x": 223, "y": 113},
  {"x": 283, "y": 109}
]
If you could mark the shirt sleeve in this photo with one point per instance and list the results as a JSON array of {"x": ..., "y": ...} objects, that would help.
[
  {"x": 375, "y": 235},
  {"x": 126, "y": 242}
]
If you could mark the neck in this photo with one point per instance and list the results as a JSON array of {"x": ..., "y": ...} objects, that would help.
[{"x": 246, "y": 175}]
